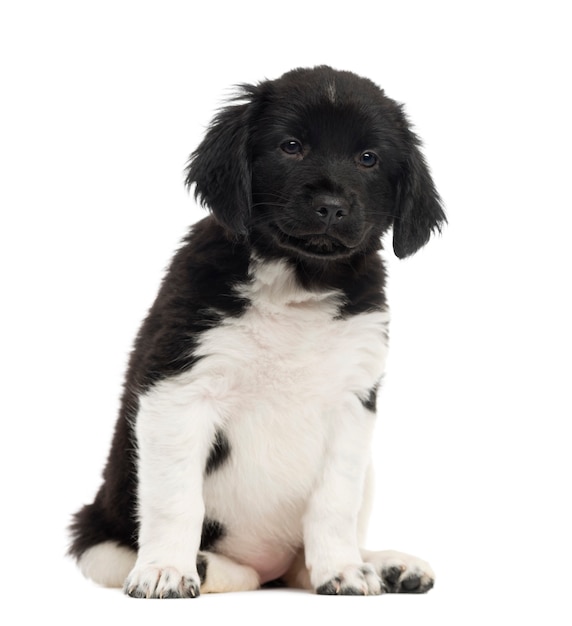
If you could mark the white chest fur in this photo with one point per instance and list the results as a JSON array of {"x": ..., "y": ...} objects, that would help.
[{"x": 291, "y": 343}]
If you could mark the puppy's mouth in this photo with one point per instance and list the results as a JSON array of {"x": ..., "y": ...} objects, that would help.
[{"x": 316, "y": 245}]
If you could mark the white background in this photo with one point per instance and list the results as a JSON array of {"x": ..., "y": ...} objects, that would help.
[{"x": 101, "y": 104}]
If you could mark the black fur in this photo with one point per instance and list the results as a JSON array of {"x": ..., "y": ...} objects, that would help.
[
  {"x": 212, "y": 532},
  {"x": 370, "y": 403},
  {"x": 323, "y": 209},
  {"x": 196, "y": 292},
  {"x": 240, "y": 174},
  {"x": 220, "y": 451}
]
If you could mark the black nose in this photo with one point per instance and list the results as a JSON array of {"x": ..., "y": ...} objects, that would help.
[{"x": 330, "y": 209}]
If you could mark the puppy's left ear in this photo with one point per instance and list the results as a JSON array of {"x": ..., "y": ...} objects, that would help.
[
  {"x": 220, "y": 168},
  {"x": 418, "y": 209}
]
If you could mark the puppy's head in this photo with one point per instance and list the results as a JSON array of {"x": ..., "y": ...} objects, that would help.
[{"x": 318, "y": 163}]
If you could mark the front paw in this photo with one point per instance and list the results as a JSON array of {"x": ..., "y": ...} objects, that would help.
[
  {"x": 161, "y": 582},
  {"x": 352, "y": 580}
]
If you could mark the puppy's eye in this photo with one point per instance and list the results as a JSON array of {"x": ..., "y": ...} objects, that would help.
[
  {"x": 292, "y": 147},
  {"x": 368, "y": 159}
]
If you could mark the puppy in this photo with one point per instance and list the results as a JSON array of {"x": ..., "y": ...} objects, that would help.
[{"x": 241, "y": 453}]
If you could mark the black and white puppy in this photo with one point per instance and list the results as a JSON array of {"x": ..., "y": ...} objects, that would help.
[{"x": 241, "y": 453}]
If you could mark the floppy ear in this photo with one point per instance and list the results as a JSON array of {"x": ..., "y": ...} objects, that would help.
[
  {"x": 220, "y": 168},
  {"x": 418, "y": 210}
]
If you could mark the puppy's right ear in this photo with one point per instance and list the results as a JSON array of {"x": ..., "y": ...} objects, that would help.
[{"x": 220, "y": 168}]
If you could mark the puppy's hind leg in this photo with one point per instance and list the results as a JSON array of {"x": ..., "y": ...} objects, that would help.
[
  {"x": 220, "y": 574},
  {"x": 107, "y": 563},
  {"x": 298, "y": 576},
  {"x": 400, "y": 572}
]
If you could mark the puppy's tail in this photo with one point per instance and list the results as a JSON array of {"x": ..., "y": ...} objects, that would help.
[{"x": 103, "y": 553}]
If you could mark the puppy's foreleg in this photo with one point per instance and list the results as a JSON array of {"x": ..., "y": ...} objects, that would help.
[
  {"x": 175, "y": 428},
  {"x": 331, "y": 522}
]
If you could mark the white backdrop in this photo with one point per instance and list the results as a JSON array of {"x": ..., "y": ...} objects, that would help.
[{"x": 101, "y": 104}]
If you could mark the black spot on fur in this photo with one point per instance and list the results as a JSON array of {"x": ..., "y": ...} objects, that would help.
[
  {"x": 202, "y": 565},
  {"x": 220, "y": 451},
  {"x": 212, "y": 532},
  {"x": 370, "y": 403}
]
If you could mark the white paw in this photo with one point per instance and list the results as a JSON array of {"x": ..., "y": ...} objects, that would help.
[
  {"x": 400, "y": 572},
  {"x": 352, "y": 580},
  {"x": 161, "y": 582}
]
